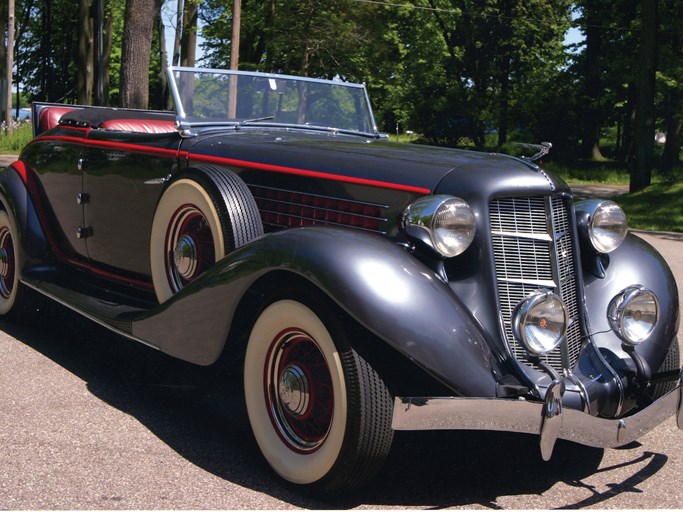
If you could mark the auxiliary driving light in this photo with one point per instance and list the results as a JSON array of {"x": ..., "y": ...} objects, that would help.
[
  {"x": 539, "y": 322},
  {"x": 633, "y": 314}
]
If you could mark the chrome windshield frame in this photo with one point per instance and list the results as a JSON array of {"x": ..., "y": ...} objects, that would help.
[{"x": 186, "y": 124}]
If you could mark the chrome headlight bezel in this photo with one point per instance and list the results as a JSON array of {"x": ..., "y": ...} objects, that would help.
[
  {"x": 539, "y": 322},
  {"x": 633, "y": 314},
  {"x": 445, "y": 224},
  {"x": 603, "y": 223}
]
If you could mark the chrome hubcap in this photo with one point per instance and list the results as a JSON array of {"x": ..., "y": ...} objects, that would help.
[
  {"x": 293, "y": 390},
  {"x": 189, "y": 246},
  {"x": 185, "y": 257},
  {"x": 6, "y": 263},
  {"x": 299, "y": 391}
]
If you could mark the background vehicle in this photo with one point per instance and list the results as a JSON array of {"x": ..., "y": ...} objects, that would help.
[{"x": 369, "y": 286}]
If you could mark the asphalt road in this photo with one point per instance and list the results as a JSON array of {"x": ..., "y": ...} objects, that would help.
[{"x": 90, "y": 420}]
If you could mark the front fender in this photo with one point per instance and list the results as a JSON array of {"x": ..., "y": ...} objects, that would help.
[
  {"x": 634, "y": 262},
  {"x": 377, "y": 283}
]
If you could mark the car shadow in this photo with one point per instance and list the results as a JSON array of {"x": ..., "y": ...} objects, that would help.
[{"x": 199, "y": 413}]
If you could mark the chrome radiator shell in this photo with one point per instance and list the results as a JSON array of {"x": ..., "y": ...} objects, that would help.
[{"x": 534, "y": 249}]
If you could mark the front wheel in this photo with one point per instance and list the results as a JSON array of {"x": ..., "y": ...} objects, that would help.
[{"x": 320, "y": 414}]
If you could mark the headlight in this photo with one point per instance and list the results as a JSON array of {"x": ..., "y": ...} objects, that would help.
[
  {"x": 539, "y": 322},
  {"x": 633, "y": 314},
  {"x": 444, "y": 223},
  {"x": 604, "y": 223}
]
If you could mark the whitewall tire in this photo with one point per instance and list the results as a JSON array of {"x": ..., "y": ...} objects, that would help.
[
  {"x": 200, "y": 218},
  {"x": 320, "y": 414}
]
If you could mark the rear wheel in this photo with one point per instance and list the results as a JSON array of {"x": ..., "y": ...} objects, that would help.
[
  {"x": 200, "y": 218},
  {"x": 16, "y": 301},
  {"x": 320, "y": 414}
]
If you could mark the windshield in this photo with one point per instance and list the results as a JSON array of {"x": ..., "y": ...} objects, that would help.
[{"x": 210, "y": 97}]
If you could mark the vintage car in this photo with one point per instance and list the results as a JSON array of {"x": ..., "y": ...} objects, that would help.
[{"x": 367, "y": 286}]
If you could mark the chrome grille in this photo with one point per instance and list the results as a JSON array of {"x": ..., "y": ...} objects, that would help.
[{"x": 533, "y": 249}]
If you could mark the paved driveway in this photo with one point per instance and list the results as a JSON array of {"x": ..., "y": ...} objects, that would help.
[{"x": 89, "y": 420}]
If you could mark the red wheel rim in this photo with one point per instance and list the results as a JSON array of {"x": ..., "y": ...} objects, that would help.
[
  {"x": 189, "y": 246},
  {"x": 299, "y": 392},
  {"x": 7, "y": 266}
]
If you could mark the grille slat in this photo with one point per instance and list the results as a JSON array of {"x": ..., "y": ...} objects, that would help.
[
  {"x": 533, "y": 249},
  {"x": 281, "y": 208}
]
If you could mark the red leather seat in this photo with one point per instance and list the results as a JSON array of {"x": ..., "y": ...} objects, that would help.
[
  {"x": 49, "y": 117},
  {"x": 140, "y": 125}
]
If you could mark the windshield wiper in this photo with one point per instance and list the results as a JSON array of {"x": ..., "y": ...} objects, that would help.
[{"x": 257, "y": 119}]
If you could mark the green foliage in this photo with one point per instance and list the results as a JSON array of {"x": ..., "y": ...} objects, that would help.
[
  {"x": 457, "y": 72},
  {"x": 13, "y": 144}
]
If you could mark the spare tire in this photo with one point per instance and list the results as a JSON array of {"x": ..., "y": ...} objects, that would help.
[{"x": 203, "y": 215}]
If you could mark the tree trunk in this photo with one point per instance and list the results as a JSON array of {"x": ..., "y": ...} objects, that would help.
[
  {"x": 85, "y": 73},
  {"x": 592, "y": 92},
  {"x": 236, "y": 31},
  {"x": 165, "y": 92},
  {"x": 19, "y": 31},
  {"x": 641, "y": 173},
  {"x": 178, "y": 34},
  {"x": 106, "y": 55},
  {"x": 627, "y": 148},
  {"x": 188, "y": 41},
  {"x": 136, "y": 49},
  {"x": 3, "y": 51},
  {"x": 10, "y": 65},
  {"x": 45, "y": 51}
]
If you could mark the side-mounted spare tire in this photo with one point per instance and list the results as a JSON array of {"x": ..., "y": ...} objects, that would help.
[{"x": 204, "y": 214}]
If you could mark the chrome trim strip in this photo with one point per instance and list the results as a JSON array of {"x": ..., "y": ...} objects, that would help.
[{"x": 522, "y": 416}]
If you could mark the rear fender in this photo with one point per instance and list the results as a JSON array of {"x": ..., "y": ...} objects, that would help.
[
  {"x": 377, "y": 283},
  {"x": 15, "y": 197}
]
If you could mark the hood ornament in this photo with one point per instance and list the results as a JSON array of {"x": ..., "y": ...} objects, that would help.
[{"x": 541, "y": 149}]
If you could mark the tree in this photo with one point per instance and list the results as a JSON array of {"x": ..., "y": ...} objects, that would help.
[
  {"x": 9, "y": 65},
  {"x": 670, "y": 83},
  {"x": 136, "y": 49},
  {"x": 467, "y": 63},
  {"x": 641, "y": 172},
  {"x": 86, "y": 53},
  {"x": 188, "y": 40}
]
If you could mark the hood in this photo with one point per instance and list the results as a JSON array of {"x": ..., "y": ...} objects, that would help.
[{"x": 440, "y": 170}]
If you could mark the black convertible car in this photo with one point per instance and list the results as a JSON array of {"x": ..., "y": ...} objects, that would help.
[{"x": 368, "y": 286}]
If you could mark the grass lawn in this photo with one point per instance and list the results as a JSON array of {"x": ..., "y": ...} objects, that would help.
[{"x": 659, "y": 207}]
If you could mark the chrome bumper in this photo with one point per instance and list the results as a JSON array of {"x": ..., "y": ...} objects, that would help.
[{"x": 548, "y": 419}]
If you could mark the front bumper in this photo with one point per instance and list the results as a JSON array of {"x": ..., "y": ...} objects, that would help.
[{"x": 548, "y": 419}]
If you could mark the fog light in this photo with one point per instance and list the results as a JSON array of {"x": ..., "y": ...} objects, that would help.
[
  {"x": 633, "y": 314},
  {"x": 539, "y": 322}
]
